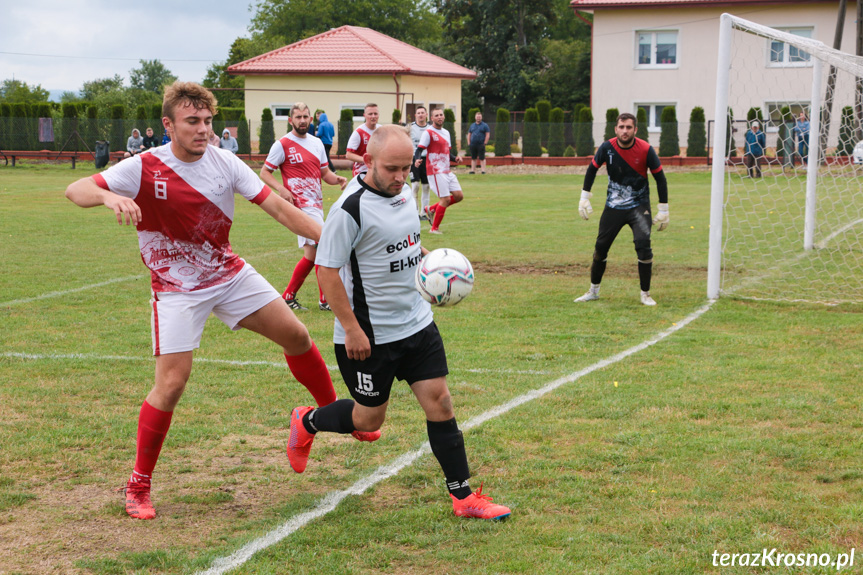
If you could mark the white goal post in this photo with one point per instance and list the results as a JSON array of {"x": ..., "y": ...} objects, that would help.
[{"x": 787, "y": 225}]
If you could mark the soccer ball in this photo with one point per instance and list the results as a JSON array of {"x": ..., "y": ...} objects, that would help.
[{"x": 444, "y": 277}]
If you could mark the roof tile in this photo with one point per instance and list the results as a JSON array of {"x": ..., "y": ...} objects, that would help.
[{"x": 350, "y": 50}]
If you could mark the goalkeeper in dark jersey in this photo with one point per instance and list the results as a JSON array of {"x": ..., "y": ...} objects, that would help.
[{"x": 627, "y": 160}]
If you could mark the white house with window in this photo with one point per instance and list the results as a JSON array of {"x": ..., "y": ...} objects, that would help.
[{"x": 655, "y": 53}]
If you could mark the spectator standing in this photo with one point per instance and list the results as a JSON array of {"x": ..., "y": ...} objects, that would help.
[
  {"x": 753, "y": 150},
  {"x": 325, "y": 133},
  {"x": 479, "y": 134},
  {"x": 801, "y": 130},
  {"x": 228, "y": 142}
]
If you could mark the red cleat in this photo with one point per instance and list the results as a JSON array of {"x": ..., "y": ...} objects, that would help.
[
  {"x": 479, "y": 506},
  {"x": 300, "y": 440},
  {"x": 366, "y": 435},
  {"x": 138, "y": 504}
]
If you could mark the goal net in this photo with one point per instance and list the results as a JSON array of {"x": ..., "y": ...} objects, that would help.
[{"x": 786, "y": 218}]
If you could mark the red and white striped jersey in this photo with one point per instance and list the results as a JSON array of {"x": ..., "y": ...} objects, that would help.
[
  {"x": 438, "y": 144},
  {"x": 357, "y": 144},
  {"x": 301, "y": 161},
  {"x": 186, "y": 213}
]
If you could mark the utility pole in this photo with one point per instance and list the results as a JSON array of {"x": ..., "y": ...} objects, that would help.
[{"x": 831, "y": 77}]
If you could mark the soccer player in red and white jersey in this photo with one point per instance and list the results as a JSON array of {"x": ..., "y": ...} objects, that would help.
[
  {"x": 181, "y": 199},
  {"x": 441, "y": 179},
  {"x": 359, "y": 140},
  {"x": 303, "y": 163}
]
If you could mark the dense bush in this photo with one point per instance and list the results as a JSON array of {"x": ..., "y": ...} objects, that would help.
[
  {"x": 501, "y": 132},
  {"x": 583, "y": 129},
  {"x": 532, "y": 144},
  {"x": 267, "y": 134},
  {"x": 346, "y": 128},
  {"x": 696, "y": 141},
  {"x": 669, "y": 138},
  {"x": 610, "y": 122},
  {"x": 556, "y": 143}
]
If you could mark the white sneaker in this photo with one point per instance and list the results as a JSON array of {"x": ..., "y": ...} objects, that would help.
[
  {"x": 589, "y": 296},
  {"x": 646, "y": 299}
]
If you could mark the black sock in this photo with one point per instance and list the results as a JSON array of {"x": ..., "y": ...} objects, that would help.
[
  {"x": 597, "y": 270},
  {"x": 447, "y": 444},
  {"x": 336, "y": 417},
  {"x": 644, "y": 273}
]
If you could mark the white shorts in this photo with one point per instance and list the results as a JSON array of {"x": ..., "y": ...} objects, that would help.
[
  {"x": 178, "y": 317},
  {"x": 444, "y": 184},
  {"x": 316, "y": 214}
]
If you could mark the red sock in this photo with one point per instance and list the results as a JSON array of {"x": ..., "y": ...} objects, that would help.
[
  {"x": 440, "y": 210},
  {"x": 310, "y": 370},
  {"x": 153, "y": 426},
  {"x": 301, "y": 271},
  {"x": 321, "y": 297}
]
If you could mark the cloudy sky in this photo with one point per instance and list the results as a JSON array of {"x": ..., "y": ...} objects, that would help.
[{"x": 60, "y": 44}]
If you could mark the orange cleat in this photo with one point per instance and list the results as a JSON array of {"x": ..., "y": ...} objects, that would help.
[
  {"x": 300, "y": 440},
  {"x": 138, "y": 504},
  {"x": 479, "y": 506},
  {"x": 366, "y": 435}
]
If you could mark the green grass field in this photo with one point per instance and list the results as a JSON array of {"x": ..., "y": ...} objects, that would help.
[{"x": 739, "y": 432}]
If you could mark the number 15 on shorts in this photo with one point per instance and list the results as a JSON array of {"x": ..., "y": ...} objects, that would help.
[{"x": 364, "y": 382}]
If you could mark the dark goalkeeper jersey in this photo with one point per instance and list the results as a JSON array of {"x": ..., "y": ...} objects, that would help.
[{"x": 627, "y": 173}]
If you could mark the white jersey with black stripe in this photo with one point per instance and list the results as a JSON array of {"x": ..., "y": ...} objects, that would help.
[{"x": 374, "y": 240}]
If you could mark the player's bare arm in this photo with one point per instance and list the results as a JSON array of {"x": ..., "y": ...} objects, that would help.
[
  {"x": 354, "y": 157},
  {"x": 291, "y": 217},
  {"x": 333, "y": 179},
  {"x": 87, "y": 194},
  {"x": 357, "y": 344},
  {"x": 269, "y": 179}
]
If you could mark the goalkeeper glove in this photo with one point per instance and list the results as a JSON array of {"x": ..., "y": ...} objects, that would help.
[
  {"x": 584, "y": 209},
  {"x": 661, "y": 219}
]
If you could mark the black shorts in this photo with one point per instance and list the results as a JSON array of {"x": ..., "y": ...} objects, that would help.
[
  {"x": 419, "y": 174},
  {"x": 416, "y": 358},
  {"x": 477, "y": 151},
  {"x": 613, "y": 220}
]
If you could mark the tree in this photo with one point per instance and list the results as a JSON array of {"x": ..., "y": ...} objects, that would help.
[
  {"x": 90, "y": 127},
  {"x": 729, "y": 134},
  {"x": 416, "y": 23},
  {"x": 755, "y": 113},
  {"x": 610, "y": 122},
  {"x": 785, "y": 144},
  {"x": 346, "y": 128},
  {"x": 696, "y": 141},
  {"x": 232, "y": 93},
  {"x": 18, "y": 92},
  {"x": 501, "y": 133},
  {"x": 449, "y": 126},
  {"x": 532, "y": 144},
  {"x": 500, "y": 40},
  {"x": 556, "y": 143},
  {"x": 397, "y": 116},
  {"x": 669, "y": 138},
  {"x": 244, "y": 146},
  {"x": 564, "y": 76},
  {"x": 152, "y": 76},
  {"x": 5, "y": 125},
  {"x": 118, "y": 128},
  {"x": 847, "y": 129},
  {"x": 584, "y": 145},
  {"x": 267, "y": 135},
  {"x": 69, "y": 127},
  {"x": 543, "y": 107}
]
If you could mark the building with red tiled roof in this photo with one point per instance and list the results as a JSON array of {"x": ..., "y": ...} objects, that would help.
[
  {"x": 655, "y": 53},
  {"x": 345, "y": 68}
]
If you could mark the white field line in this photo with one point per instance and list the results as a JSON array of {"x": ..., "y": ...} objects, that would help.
[
  {"x": 69, "y": 291},
  {"x": 231, "y": 362},
  {"x": 105, "y": 283},
  {"x": 332, "y": 499}
]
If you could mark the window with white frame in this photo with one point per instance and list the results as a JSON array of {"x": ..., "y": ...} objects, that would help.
[
  {"x": 654, "y": 115},
  {"x": 656, "y": 49},
  {"x": 774, "y": 112},
  {"x": 781, "y": 54},
  {"x": 281, "y": 111}
]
